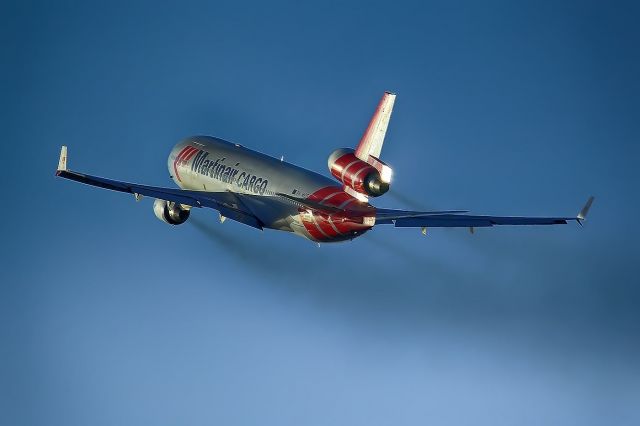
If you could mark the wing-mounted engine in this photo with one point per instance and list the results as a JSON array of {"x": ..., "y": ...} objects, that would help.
[
  {"x": 171, "y": 212},
  {"x": 369, "y": 178}
]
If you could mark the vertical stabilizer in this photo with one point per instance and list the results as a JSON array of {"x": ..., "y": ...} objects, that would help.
[{"x": 373, "y": 138}]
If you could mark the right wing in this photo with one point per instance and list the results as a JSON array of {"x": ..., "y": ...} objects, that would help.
[
  {"x": 227, "y": 203},
  {"x": 453, "y": 219}
]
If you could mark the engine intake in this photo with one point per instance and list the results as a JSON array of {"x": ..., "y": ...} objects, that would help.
[
  {"x": 356, "y": 174},
  {"x": 170, "y": 212}
]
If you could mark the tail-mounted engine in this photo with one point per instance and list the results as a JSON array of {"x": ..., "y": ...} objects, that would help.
[
  {"x": 366, "y": 178},
  {"x": 170, "y": 212}
]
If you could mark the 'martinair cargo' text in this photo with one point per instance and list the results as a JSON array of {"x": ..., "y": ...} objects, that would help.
[{"x": 227, "y": 174}]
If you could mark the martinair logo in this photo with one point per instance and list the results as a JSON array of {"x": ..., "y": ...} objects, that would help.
[
  {"x": 183, "y": 158},
  {"x": 218, "y": 170}
]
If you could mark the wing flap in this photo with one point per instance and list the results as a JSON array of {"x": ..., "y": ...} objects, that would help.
[
  {"x": 240, "y": 216},
  {"x": 392, "y": 214}
]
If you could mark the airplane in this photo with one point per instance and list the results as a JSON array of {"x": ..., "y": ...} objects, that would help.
[{"x": 265, "y": 192}]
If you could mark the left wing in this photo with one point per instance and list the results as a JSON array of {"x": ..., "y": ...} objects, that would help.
[
  {"x": 407, "y": 219},
  {"x": 228, "y": 204}
]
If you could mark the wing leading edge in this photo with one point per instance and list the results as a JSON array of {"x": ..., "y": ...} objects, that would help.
[
  {"x": 406, "y": 219},
  {"x": 228, "y": 204}
]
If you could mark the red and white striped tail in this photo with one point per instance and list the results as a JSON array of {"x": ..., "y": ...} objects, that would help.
[{"x": 373, "y": 138}]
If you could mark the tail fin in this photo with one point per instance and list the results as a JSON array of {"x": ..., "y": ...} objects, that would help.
[{"x": 373, "y": 138}]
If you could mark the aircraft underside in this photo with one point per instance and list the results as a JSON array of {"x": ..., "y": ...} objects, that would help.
[{"x": 264, "y": 192}]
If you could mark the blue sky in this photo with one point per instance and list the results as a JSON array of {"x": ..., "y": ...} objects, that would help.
[{"x": 109, "y": 316}]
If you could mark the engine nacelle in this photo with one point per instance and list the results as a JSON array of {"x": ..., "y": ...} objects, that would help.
[
  {"x": 356, "y": 174},
  {"x": 170, "y": 212}
]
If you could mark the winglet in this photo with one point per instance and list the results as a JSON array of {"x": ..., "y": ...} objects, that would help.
[
  {"x": 585, "y": 210},
  {"x": 62, "y": 162}
]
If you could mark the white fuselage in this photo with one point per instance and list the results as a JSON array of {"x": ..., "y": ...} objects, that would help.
[{"x": 204, "y": 163}]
